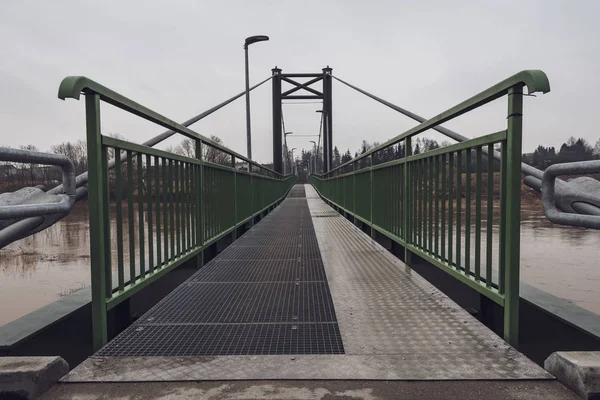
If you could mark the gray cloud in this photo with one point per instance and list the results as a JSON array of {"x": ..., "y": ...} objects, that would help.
[{"x": 182, "y": 57}]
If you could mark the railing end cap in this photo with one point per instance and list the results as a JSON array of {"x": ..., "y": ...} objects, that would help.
[
  {"x": 72, "y": 86},
  {"x": 536, "y": 80}
]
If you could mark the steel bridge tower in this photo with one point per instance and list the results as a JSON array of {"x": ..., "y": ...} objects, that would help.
[{"x": 291, "y": 94}]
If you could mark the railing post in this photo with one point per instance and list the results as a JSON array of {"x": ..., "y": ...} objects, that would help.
[
  {"x": 97, "y": 217},
  {"x": 235, "y": 214},
  {"x": 405, "y": 202},
  {"x": 251, "y": 222},
  {"x": 200, "y": 205},
  {"x": 513, "y": 214},
  {"x": 372, "y": 180},
  {"x": 354, "y": 164}
]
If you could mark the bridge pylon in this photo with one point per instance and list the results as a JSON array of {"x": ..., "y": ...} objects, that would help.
[{"x": 307, "y": 92}]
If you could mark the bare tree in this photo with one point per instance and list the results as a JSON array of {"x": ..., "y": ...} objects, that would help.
[
  {"x": 76, "y": 152},
  {"x": 187, "y": 148},
  {"x": 214, "y": 155},
  {"x": 32, "y": 169},
  {"x": 8, "y": 172}
]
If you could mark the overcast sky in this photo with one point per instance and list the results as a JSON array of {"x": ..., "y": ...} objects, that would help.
[{"x": 182, "y": 57}]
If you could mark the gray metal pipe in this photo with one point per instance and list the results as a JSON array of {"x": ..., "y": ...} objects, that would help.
[
  {"x": 15, "y": 231},
  {"x": 549, "y": 199},
  {"x": 36, "y": 157},
  {"x": 65, "y": 200},
  {"x": 63, "y": 206},
  {"x": 37, "y": 216}
]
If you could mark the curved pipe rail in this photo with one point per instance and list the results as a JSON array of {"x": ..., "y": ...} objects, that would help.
[
  {"x": 40, "y": 209},
  {"x": 549, "y": 198}
]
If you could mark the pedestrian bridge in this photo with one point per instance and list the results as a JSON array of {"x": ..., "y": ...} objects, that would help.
[
  {"x": 305, "y": 294},
  {"x": 305, "y": 291}
]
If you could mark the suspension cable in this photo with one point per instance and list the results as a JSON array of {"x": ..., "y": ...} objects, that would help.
[{"x": 527, "y": 169}]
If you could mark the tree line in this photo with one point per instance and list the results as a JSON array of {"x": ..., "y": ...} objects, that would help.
[
  {"x": 390, "y": 153},
  {"x": 14, "y": 176},
  {"x": 570, "y": 151}
]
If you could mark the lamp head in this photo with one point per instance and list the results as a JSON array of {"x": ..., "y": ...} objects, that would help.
[{"x": 254, "y": 39}]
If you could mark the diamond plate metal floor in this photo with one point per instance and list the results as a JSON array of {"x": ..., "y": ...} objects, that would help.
[{"x": 393, "y": 324}]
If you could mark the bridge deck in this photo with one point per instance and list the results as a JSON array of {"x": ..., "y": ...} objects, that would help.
[{"x": 306, "y": 295}]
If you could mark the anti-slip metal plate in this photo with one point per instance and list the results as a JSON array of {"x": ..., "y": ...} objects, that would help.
[
  {"x": 384, "y": 308},
  {"x": 403, "y": 366},
  {"x": 394, "y": 325}
]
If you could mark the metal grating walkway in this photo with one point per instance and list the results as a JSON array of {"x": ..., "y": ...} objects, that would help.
[
  {"x": 265, "y": 294},
  {"x": 270, "y": 318}
]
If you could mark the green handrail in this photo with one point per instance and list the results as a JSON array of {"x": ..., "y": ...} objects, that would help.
[
  {"x": 424, "y": 202},
  {"x": 535, "y": 80},
  {"x": 167, "y": 208},
  {"x": 73, "y": 86}
]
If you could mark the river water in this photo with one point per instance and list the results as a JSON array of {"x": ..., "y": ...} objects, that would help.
[{"x": 40, "y": 269}]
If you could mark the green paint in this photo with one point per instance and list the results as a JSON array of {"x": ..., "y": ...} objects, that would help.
[
  {"x": 97, "y": 218},
  {"x": 513, "y": 214},
  {"x": 406, "y": 199}
]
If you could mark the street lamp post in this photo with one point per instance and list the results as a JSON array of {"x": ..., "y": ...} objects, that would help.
[
  {"x": 292, "y": 151},
  {"x": 285, "y": 136},
  {"x": 320, "y": 130},
  {"x": 286, "y": 149},
  {"x": 314, "y": 166},
  {"x": 248, "y": 42}
]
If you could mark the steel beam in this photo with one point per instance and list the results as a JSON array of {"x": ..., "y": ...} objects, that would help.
[
  {"x": 302, "y": 85},
  {"x": 328, "y": 121},
  {"x": 277, "y": 127},
  {"x": 301, "y": 97}
]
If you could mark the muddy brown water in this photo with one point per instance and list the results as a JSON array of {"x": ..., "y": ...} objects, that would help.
[{"x": 40, "y": 269}]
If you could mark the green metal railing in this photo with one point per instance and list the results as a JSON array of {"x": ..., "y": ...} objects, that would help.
[
  {"x": 156, "y": 210},
  {"x": 441, "y": 205}
]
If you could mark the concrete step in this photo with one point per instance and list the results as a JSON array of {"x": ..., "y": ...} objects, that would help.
[
  {"x": 314, "y": 390},
  {"x": 29, "y": 377}
]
